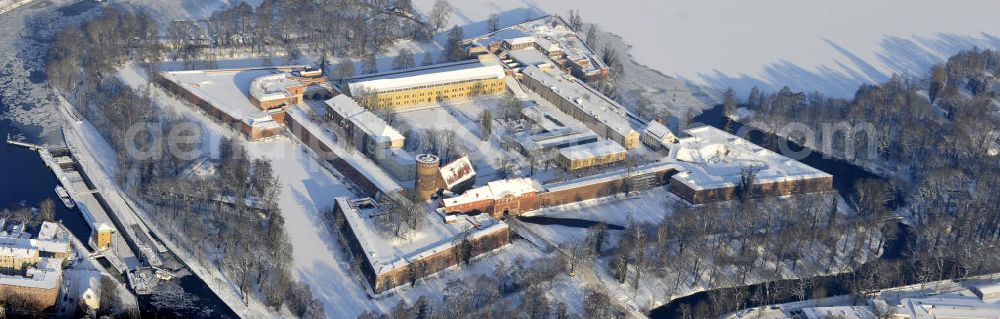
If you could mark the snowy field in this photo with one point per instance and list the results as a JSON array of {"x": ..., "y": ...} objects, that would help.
[{"x": 829, "y": 46}]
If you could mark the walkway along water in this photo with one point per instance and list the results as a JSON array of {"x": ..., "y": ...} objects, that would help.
[{"x": 27, "y": 181}]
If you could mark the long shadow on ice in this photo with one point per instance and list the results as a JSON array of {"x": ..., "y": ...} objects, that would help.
[{"x": 912, "y": 56}]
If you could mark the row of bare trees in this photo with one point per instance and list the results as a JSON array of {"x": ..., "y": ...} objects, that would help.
[
  {"x": 332, "y": 28},
  {"x": 229, "y": 220},
  {"x": 738, "y": 243},
  {"x": 934, "y": 137}
]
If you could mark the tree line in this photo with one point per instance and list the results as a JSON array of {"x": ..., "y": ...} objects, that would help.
[
  {"x": 330, "y": 28},
  {"x": 515, "y": 289},
  {"x": 230, "y": 220},
  {"x": 933, "y": 138}
]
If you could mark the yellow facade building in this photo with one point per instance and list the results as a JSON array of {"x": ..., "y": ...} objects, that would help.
[
  {"x": 17, "y": 258},
  {"x": 102, "y": 236},
  {"x": 600, "y": 153},
  {"x": 431, "y": 84}
]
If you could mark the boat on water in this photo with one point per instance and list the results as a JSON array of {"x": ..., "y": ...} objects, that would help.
[{"x": 64, "y": 195}]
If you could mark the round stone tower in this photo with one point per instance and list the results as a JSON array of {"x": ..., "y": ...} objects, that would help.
[{"x": 428, "y": 175}]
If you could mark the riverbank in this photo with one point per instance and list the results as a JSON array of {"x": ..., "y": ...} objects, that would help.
[
  {"x": 845, "y": 174},
  {"x": 213, "y": 291}
]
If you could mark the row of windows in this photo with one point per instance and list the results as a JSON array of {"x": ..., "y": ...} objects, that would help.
[
  {"x": 486, "y": 88},
  {"x": 422, "y": 100},
  {"x": 435, "y": 85}
]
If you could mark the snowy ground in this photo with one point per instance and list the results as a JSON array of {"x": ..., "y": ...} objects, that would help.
[
  {"x": 461, "y": 117},
  {"x": 647, "y": 207},
  {"x": 307, "y": 189},
  {"x": 830, "y": 46},
  {"x": 892, "y": 296},
  {"x": 819, "y": 53},
  {"x": 8, "y": 5},
  {"x": 166, "y": 11}
]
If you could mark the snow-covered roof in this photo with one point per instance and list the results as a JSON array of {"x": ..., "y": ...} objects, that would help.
[
  {"x": 225, "y": 89},
  {"x": 364, "y": 165},
  {"x": 592, "y": 150},
  {"x": 45, "y": 275},
  {"x": 496, "y": 189},
  {"x": 550, "y": 33},
  {"x": 385, "y": 253},
  {"x": 457, "y": 172},
  {"x": 946, "y": 307},
  {"x": 520, "y": 40},
  {"x": 547, "y": 45},
  {"x": 584, "y": 98},
  {"x": 104, "y": 226},
  {"x": 558, "y": 138},
  {"x": 12, "y": 229},
  {"x": 49, "y": 230},
  {"x": 612, "y": 175},
  {"x": 259, "y": 118},
  {"x": 369, "y": 123},
  {"x": 714, "y": 158},
  {"x": 989, "y": 289},
  {"x": 658, "y": 130},
  {"x": 550, "y": 119},
  {"x": 17, "y": 252},
  {"x": 513, "y": 187},
  {"x": 51, "y": 238},
  {"x": 436, "y": 74},
  {"x": 530, "y": 57},
  {"x": 272, "y": 86}
]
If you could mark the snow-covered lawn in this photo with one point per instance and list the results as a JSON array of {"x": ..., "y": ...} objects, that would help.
[
  {"x": 462, "y": 118},
  {"x": 830, "y": 46},
  {"x": 306, "y": 190}
]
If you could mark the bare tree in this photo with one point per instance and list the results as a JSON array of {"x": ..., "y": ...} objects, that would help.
[
  {"x": 493, "y": 23},
  {"x": 454, "y": 48},
  {"x": 370, "y": 64},
  {"x": 440, "y": 14},
  {"x": 345, "y": 69},
  {"x": 403, "y": 60},
  {"x": 47, "y": 210},
  {"x": 746, "y": 190},
  {"x": 939, "y": 79},
  {"x": 575, "y": 21},
  {"x": 485, "y": 125},
  {"x": 110, "y": 302},
  {"x": 591, "y": 37}
]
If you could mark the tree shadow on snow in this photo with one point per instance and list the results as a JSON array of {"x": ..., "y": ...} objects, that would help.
[{"x": 912, "y": 56}]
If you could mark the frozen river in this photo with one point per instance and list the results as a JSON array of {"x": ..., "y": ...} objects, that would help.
[{"x": 829, "y": 46}]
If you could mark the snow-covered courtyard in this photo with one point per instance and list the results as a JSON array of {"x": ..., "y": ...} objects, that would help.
[{"x": 461, "y": 117}]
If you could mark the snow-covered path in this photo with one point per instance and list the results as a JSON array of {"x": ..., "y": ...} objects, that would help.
[
  {"x": 827, "y": 45},
  {"x": 307, "y": 189}
]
